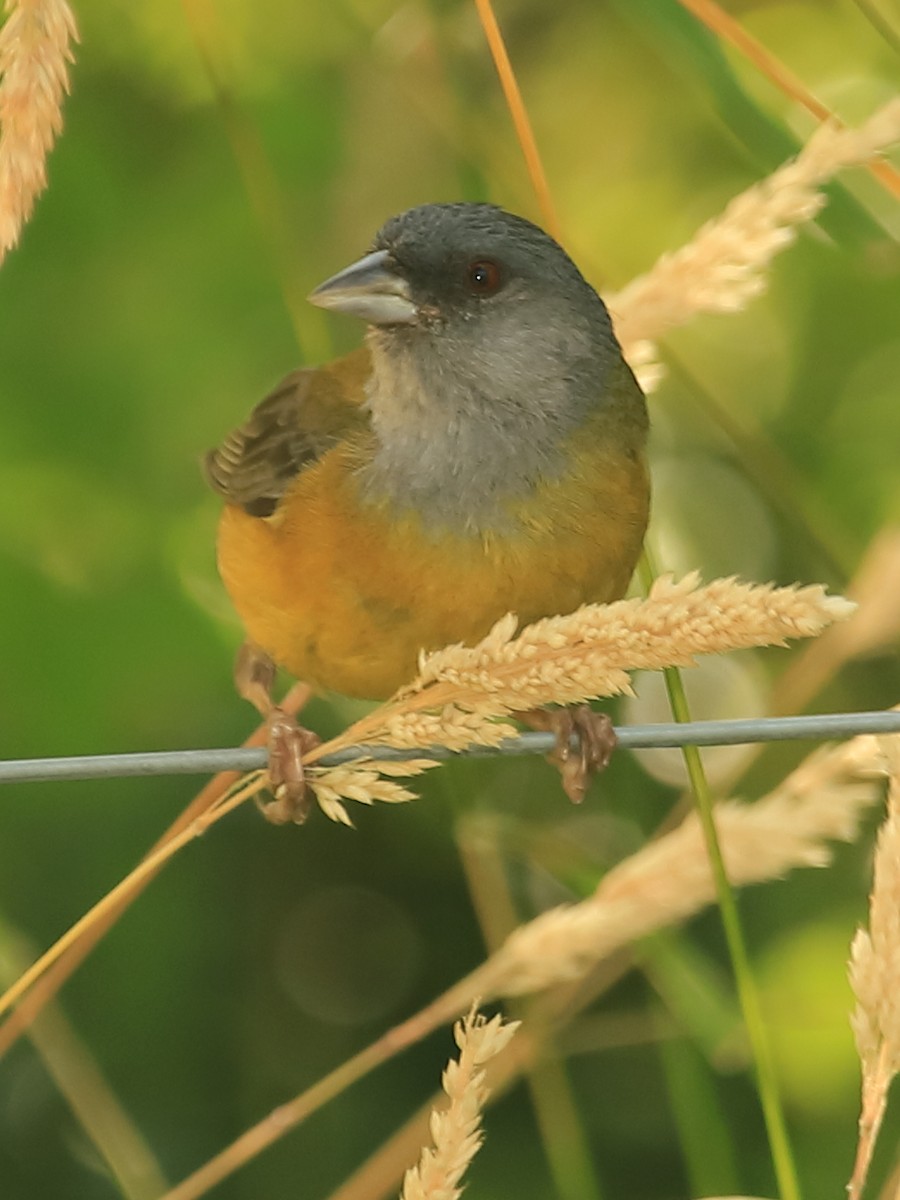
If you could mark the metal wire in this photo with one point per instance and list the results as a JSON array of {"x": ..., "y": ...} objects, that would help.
[{"x": 671, "y": 734}]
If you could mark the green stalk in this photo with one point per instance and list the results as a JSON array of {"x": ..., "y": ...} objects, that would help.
[{"x": 748, "y": 995}]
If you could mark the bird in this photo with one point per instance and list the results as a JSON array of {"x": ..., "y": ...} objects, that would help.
[{"x": 483, "y": 451}]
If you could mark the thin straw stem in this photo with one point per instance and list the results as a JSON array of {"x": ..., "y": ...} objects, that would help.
[
  {"x": 748, "y": 995},
  {"x": 726, "y": 27},
  {"x": 519, "y": 114}
]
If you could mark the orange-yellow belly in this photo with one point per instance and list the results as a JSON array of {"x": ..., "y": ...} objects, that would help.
[{"x": 345, "y": 595}]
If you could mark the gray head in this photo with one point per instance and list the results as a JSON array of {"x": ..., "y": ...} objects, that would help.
[
  {"x": 462, "y": 274},
  {"x": 489, "y": 347}
]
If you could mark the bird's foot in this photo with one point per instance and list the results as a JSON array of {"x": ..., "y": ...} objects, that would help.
[
  {"x": 291, "y": 799},
  {"x": 254, "y": 677},
  {"x": 596, "y": 740}
]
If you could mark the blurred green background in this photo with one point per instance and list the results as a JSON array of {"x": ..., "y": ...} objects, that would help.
[{"x": 155, "y": 296}]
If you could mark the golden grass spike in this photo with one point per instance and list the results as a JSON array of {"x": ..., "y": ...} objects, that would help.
[
  {"x": 456, "y": 1130},
  {"x": 670, "y": 879},
  {"x": 875, "y": 978},
  {"x": 723, "y": 267},
  {"x": 463, "y": 693},
  {"x": 35, "y": 50}
]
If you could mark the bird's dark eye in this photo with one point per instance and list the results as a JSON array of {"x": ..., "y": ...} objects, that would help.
[{"x": 483, "y": 277}]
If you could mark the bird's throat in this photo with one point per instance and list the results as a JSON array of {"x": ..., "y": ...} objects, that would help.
[{"x": 459, "y": 458}]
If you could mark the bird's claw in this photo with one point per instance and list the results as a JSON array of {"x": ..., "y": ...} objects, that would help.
[
  {"x": 596, "y": 741},
  {"x": 595, "y": 737},
  {"x": 288, "y": 742}
]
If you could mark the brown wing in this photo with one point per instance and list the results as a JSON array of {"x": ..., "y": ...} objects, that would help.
[{"x": 310, "y": 411}]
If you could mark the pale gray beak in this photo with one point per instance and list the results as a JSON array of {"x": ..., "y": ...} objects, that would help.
[{"x": 371, "y": 289}]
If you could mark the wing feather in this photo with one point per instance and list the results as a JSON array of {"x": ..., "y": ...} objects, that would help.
[{"x": 309, "y": 411}]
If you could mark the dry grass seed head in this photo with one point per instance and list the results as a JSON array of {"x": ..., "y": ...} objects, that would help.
[
  {"x": 461, "y": 693},
  {"x": 364, "y": 782},
  {"x": 670, "y": 879},
  {"x": 588, "y": 653},
  {"x": 723, "y": 267},
  {"x": 456, "y": 1130},
  {"x": 875, "y": 954},
  {"x": 875, "y": 979},
  {"x": 35, "y": 50}
]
